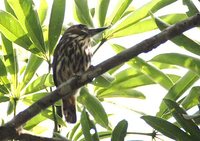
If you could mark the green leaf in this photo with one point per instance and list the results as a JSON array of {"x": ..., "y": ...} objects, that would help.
[
  {"x": 40, "y": 83},
  {"x": 192, "y": 9},
  {"x": 10, "y": 59},
  {"x": 123, "y": 88},
  {"x": 88, "y": 127},
  {"x": 34, "y": 121},
  {"x": 29, "y": 20},
  {"x": 31, "y": 98},
  {"x": 8, "y": 8},
  {"x": 182, "y": 60},
  {"x": 103, "y": 81},
  {"x": 119, "y": 10},
  {"x": 4, "y": 98},
  {"x": 188, "y": 125},
  {"x": 181, "y": 40},
  {"x": 192, "y": 99},
  {"x": 127, "y": 93},
  {"x": 55, "y": 24},
  {"x": 3, "y": 74},
  {"x": 11, "y": 29},
  {"x": 49, "y": 114},
  {"x": 119, "y": 131},
  {"x": 74, "y": 130},
  {"x": 147, "y": 69},
  {"x": 42, "y": 11},
  {"x": 101, "y": 11},
  {"x": 167, "y": 128},
  {"x": 94, "y": 106},
  {"x": 136, "y": 16},
  {"x": 33, "y": 63},
  {"x": 140, "y": 27},
  {"x": 11, "y": 106},
  {"x": 104, "y": 134},
  {"x": 4, "y": 89},
  {"x": 82, "y": 12},
  {"x": 177, "y": 90}
]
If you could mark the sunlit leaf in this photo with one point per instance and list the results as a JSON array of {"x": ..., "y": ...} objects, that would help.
[
  {"x": 181, "y": 40},
  {"x": 29, "y": 20},
  {"x": 177, "y": 90},
  {"x": 101, "y": 11},
  {"x": 188, "y": 125},
  {"x": 3, "y": 74},
  {"x": 192, "y": 99},
  {"x": 31, "y": 98},
  {"x": 127, "y": 93},
  {"x": 147, "y": 69},
  {"x": 138, "y": 15},
  {"x": 8, "y": 8},
  {"x": 55, "y": 24},
  {"x": 73, "y": 131},
  {"x": 32, "y": 66},
  {"x": 183, "y": 60},
  {"x": 94, "y": 106},
  {"x": 103, "y": 80},
  {"x": 82, "y": 13},
  {"x": 40, "y": 83},
  {"x": 34, "y": 121},
  {"x": 120, "y": 8},
  {"x": 12, "y": 30},
  {"x": 119, "y": 131},
  {"x": 167, "y": 128},
  {"x": 88, "y": 127},
  {"x": 42, "y": 10},
  {"x": 10, "y": 59}
]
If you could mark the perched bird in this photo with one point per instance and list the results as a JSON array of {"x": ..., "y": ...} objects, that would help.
[{"x": 72, "y": 56}]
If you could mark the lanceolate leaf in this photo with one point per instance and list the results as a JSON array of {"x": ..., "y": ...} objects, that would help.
[
  {"x": 3, "y": 74},
  {"x": 55, "y": 24},
  {"x": 127, "y": 93},
  {"x": 82, "y": 12},
  {"x": 40, "y": 83},
  {"x": 177, "y": 90},
  {"x": 188, "y": 125},
  {"x": 88, "y": 127},
  {"x": 192, "y": 99},
  {"x": 10, "y": 60},
  {"x": 186, "y": 61},
  {"x": 12, "y": 30},
  {"x": 138, "y": 15},
  {"x": 94, "y": 106},
  {"x": 192, "y": 9},
  {"x": 29, "y": 20},
  {"x": 42, "y": 11},
  {"x": 147, "y": 69},
  {"x": 167, "y": 128},
  {"x": 122, "y": 5},
  {"x": 119, "y": 131},
  {"x": 140, "y": 27},
  {"x": 101, "y": 11},
  {"x": 32, "y": 66},
  {"x": 181, "y": 40}
]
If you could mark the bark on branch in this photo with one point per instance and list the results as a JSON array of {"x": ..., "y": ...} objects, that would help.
[{"x": 76, "y": 82}]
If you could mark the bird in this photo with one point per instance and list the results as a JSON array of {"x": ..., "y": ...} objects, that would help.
[{"x": 72, "y": 56}]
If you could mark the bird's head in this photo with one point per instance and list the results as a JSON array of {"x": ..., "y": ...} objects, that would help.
[{"x": 81, "y": 29}]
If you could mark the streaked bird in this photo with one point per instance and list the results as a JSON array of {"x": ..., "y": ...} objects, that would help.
[{"x": 72, "y": 56}]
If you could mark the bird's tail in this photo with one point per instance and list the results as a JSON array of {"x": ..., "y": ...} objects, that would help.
[{"x": 69, "y": 109}]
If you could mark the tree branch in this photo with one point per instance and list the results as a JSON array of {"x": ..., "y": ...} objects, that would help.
[{"x": 76, "y": 82}]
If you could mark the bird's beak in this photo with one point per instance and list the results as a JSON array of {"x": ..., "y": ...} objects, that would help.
[{"x": 95, "y": 31}]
